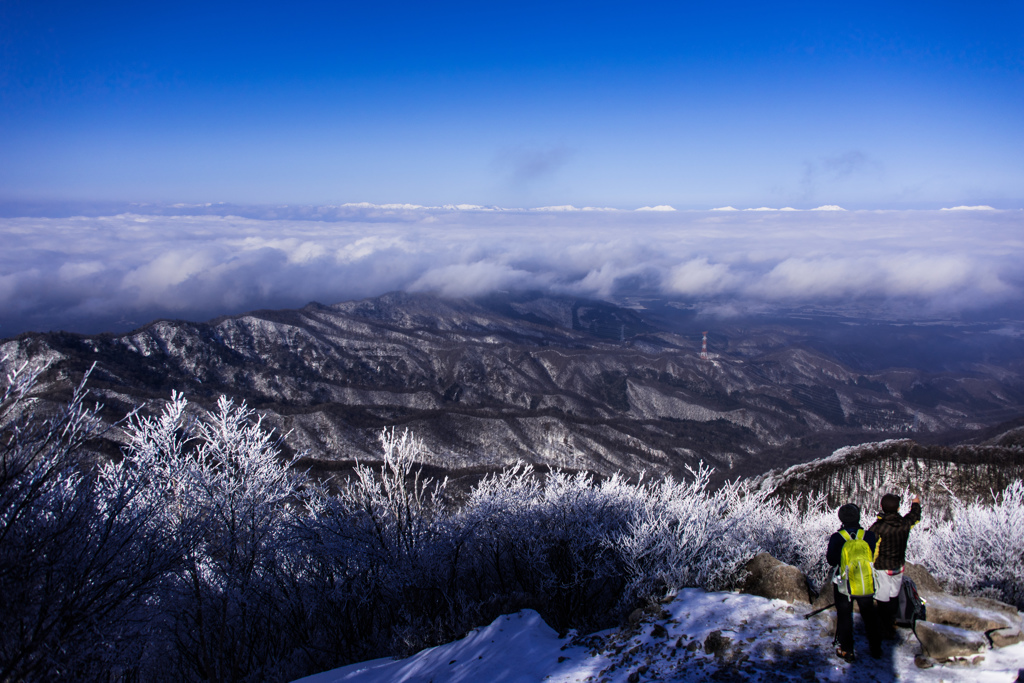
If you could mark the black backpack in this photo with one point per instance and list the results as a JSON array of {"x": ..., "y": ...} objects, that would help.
[{"x": 911, "y": 606}]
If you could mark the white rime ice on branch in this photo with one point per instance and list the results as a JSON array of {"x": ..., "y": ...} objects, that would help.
[
  {"x": 80, "y": 550},
  {"x": 226, "y": 491},
  {"x": 203, "y": 554},
  {"x": 980, "y": 549}
]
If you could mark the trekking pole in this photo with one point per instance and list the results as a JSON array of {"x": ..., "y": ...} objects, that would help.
[
  {"x": 819, "y": 611},
  {"x": 828, "y": 582}
]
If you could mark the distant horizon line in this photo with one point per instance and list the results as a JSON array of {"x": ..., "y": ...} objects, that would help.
[{"x": 37, "y": 208}]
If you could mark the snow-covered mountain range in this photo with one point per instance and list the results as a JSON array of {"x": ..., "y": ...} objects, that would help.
[{"x": 557, "y": 382}]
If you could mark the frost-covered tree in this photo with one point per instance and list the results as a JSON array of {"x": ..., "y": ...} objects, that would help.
[
  {"x": 979, "y": 549},
  {"x": 386, "y": 552},
  {"x": 547, "y": 542},
  {"x": 229, "y": 499},
  {"x": 80, "y": 554}
]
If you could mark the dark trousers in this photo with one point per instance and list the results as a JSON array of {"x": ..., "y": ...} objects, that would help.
[
  {"x": 885, "y": 613},
  {"x": 844, "y": 626}
]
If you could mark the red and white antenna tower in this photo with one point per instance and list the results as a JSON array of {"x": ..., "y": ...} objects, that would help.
[{"x": 704, "y": 347}]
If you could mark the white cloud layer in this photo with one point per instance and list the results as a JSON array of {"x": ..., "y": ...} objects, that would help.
[{"x": 70, "y": 272}]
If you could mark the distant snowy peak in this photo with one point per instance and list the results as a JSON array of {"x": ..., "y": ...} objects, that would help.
[
  {"x": 570, "y": 207},
  {"x": 479, "y": 207},
  {"x": 759, "y": 208},
  {"x": 390, "y": 207}
]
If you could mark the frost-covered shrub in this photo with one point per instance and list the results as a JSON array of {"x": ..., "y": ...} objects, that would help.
[
  {"x": 809, "y": 525},
  {"x": 687, "y": 535},
  {"x": 679, "y": 536},
  {"x": 980, "y": 549},
  {"x": 384, "y": 554},
  {"x": 81, "y": 556},
  {"x": 228, "y": 499},
  {"x": 586, "y": 552},
  {"x": 550, "y": 542}
]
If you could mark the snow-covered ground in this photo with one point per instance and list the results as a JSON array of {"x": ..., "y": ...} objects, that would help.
[{"x": 757, "y": 640}]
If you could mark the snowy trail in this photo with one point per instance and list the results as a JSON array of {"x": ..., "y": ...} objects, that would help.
[{"x": 757, "y": 640}]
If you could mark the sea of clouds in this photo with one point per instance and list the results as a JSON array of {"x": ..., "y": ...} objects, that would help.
[{"x": 90, "y": 273}]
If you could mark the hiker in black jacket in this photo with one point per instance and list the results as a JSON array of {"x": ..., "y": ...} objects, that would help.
[
  {"x": 892, "y": 530},
  {"x": 849, "y": 516}
]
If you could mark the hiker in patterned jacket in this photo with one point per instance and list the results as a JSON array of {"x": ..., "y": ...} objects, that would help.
[
  {"x": 849, "y": 516},
  {"x": 892, "y": 530}
]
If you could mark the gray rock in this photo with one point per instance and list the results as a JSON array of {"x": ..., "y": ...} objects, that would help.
[
  {"x": 942, "y": 642},
  {"x": 1005, "y": 636},
  {"x": 974, "y": 614},
  {"x": 759, "y": 565},
  {"x": 717, "y": 644},
  {"x": 1006, "y": 610},
  {"x": 825, "y": 597},
  {"x": 770, "y": 578},
  {"x": 924, "y": 581}
]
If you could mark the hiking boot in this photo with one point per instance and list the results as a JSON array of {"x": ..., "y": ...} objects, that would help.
[{"x": 847, "y": 657}]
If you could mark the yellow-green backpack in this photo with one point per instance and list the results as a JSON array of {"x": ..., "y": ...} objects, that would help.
[{"x": 855, "y": 565}]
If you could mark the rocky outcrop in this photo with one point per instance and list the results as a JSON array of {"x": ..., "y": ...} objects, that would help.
[
  {"x": 770, "y": 578},
  {"x": 944, "y": 643},
  {"x": 1003, "y": 637},
  {"x": 924, "y": 581},
  {"x": 973, "y": 614},
  {"x": 961, "y": 626}
]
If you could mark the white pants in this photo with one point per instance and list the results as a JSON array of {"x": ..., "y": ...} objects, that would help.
[{"x": 887, "y": 586}]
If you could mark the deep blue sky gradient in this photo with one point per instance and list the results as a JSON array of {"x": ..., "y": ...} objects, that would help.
[{"x": 617, "y": 104}]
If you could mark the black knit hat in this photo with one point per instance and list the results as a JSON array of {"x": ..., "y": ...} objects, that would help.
[
  {"x": 849, "y": 515},
  {"x": 890, "y": 503}
]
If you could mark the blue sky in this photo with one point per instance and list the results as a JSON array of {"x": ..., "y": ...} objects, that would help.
[
  {"x": 514, "y": 104},
  {"x": 112, "y": 113}
]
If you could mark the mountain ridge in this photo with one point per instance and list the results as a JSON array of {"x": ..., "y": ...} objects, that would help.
[{"x": 554, "y": 381}]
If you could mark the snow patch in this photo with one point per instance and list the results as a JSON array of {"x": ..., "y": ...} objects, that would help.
[
  {"x": 750, "y": 638},
  {"x": 514, "y": 647}
]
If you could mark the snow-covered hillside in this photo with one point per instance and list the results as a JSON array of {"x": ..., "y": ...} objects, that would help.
[
  {"x": 861, "y": 474},
  {"x": 698, "y": 636},
  {"x": 553, "y": 381}
]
